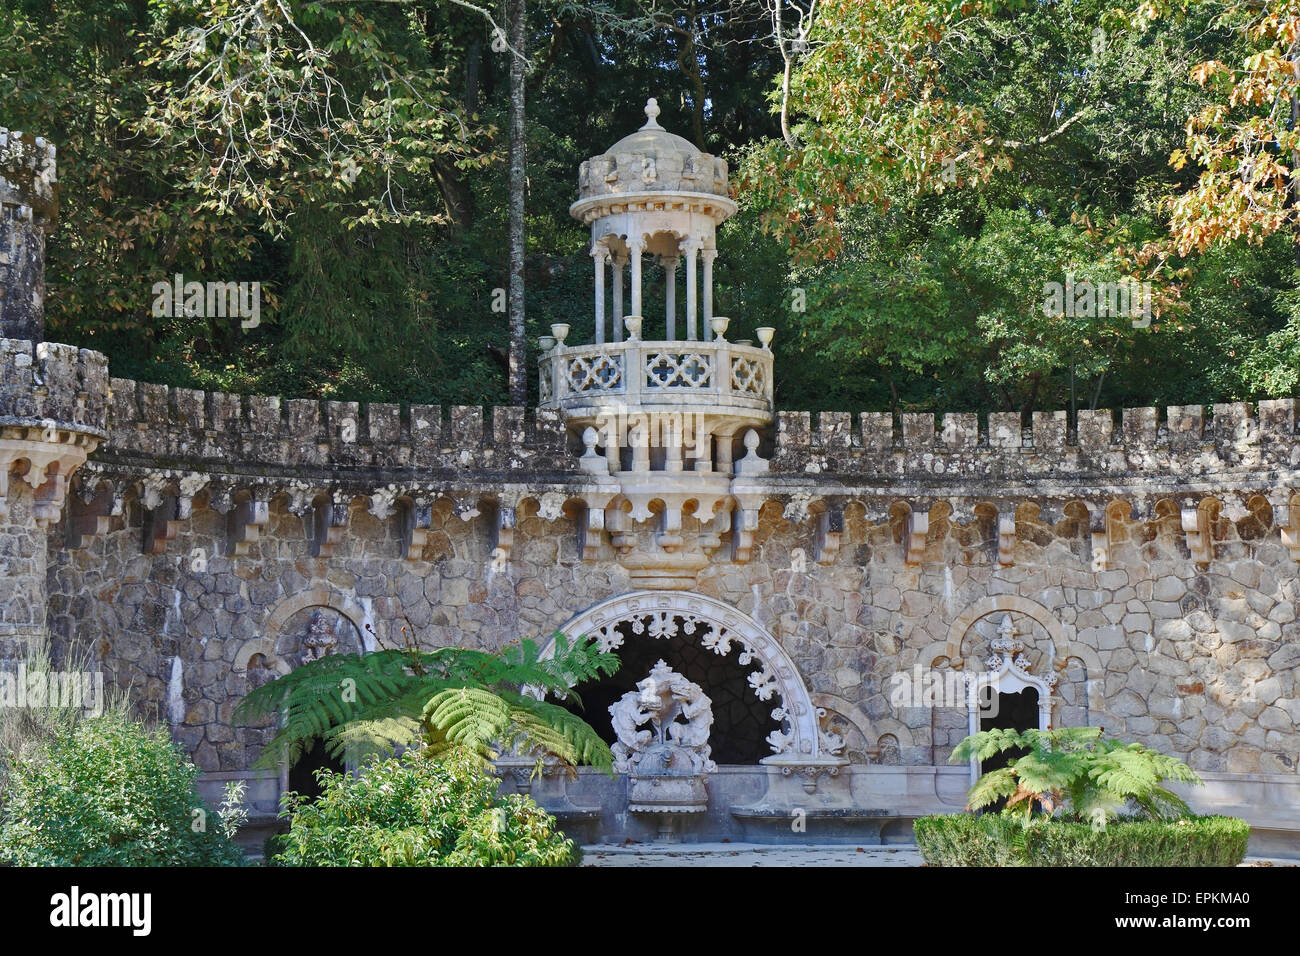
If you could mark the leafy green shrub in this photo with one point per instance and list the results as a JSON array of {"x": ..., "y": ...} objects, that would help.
[
  {"x": 420, "y": 809},
  {"x": 964, "y": 839},
  {"x": 24, "y": 731},
  {"x": 1073, "y": 772},
  {"x": 109, "y": 792}
]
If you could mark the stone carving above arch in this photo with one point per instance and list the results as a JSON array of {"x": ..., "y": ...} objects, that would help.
[
  {"x": 716, "y": 626},
  {"x": 860, "y": 733},
  {"x": 302, "y": 628},
  {"x": 999, "y": 604}
]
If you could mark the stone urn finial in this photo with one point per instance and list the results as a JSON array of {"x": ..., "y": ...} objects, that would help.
[{"x": 651, "y": 111}]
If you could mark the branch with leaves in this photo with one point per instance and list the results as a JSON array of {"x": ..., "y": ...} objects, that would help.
[{"x": 388, "y": 699}]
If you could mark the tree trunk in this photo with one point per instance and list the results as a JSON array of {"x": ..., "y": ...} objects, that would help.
[
  {"x": 1295, "y": 187},
  {"x": 518, "y": 372}
]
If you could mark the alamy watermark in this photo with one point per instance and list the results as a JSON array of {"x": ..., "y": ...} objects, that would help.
[
  {"x": 212, "y": 300},
  {"x": 1125, "y": 298},
  {"x": 926, "y": 687},
  {"x": 64, "y": 690},
  {"x": 623, "y": 426}
]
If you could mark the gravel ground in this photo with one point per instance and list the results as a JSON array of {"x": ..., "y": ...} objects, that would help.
[{"x": 753, "y": 854}]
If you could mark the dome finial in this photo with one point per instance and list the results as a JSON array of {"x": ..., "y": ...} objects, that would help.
[{"x": 651, "y": 111}]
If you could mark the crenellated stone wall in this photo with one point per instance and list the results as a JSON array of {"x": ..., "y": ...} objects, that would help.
[{"x": 190, "y": 428}]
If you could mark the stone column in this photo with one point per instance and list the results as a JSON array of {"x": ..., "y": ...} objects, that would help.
[
  {"x": 636, "y": 247},
  {"x": 706, "y": 283},
  {"x": 670, "y": 299},
  {"x": 28, "y": 210},
  {"x": 620, "y": 261},
  {"x": 689, "y": 248},
  {"x": 599, "y": 255}
]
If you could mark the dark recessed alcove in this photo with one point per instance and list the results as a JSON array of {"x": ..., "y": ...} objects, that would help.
[{"x": 741, "y": 722}]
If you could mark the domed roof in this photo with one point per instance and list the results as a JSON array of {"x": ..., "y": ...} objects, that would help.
[{"x": 653, "y": 138}]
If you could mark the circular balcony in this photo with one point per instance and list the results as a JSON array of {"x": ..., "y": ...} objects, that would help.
[{"x": 714, "y": 377}]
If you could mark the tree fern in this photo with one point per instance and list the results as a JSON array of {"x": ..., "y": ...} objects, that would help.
[
  {"x": 1074, "y": 771},
  {"x": 384, "y": 700}
]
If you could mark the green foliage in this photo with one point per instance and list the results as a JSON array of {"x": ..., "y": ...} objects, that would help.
[
  {"x": 110, "y": 792},
  {"x": 962, "y": 839},
  {"x": 24, "y": 731},
  {"x": 1071, "y": 770},
  {"x": 451, "y": 697},
  {"x": 420, "y": 809},
  {"x": 954, "y": 157}
]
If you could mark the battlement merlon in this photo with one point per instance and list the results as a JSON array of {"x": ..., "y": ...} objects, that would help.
[
  {"x": 29, "y": 205},
  {"x": 49, "y": 387}
]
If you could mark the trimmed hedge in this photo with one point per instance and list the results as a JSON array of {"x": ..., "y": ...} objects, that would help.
[{"x": 966, "y": 839}]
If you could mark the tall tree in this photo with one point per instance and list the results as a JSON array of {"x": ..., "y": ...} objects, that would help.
[{"x": 518, "y": 184}]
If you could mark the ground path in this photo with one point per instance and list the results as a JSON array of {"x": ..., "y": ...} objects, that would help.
[{"x": 756, "y": 854}]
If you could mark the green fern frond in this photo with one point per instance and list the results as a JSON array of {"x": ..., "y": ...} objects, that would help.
[
  {"x": 455, "y": 696},
  {"x": 990, "y": 788},
  {"x": 987, "y": 743}
]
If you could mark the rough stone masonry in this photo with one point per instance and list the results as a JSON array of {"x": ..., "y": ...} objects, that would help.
[{"x": 1146, "y": 562}]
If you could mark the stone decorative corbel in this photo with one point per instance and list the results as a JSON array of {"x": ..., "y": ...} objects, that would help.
[
  {"x": 744, "y": 523},
  {"x": 669, "y": 535},
  {"x": 1290, "y": 522},
  {"x": 1100, "y": 548},
  {"x": 161, "y": 523},
  {"x": 830, "y": 529},
  {"x": 620, "y": 534},
  {"x": 711, "y": 532},
  {"x": 417, "y": 519},
  {"x": 503, "y": 531},
  {"x": 94, "y": 517},
  {"x": 590, "y": 528},
  {"x": 1006, "y": 540},
  {"x": 1199, "y": 540},
  {"x": 918, "y": 526},
  {"x": 328, "y": 521},
  {"x": 50, "y": 495},
  {"x": 187, "y": 489},
  {"x": 244, "y": 525}
]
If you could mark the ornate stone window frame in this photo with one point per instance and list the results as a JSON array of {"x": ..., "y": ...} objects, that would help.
[{"x": 1007, "y": 675}]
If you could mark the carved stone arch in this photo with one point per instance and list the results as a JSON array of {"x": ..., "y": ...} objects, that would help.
[
  {"x": 263, "y": 646},
  {"x": 1002, "y": 603},
  {"x": 1006, "y": 670},
  {"x": 322, "y": 597},
  {"x": 869, "y": 730},
  {"x": 715, "y": 624}
]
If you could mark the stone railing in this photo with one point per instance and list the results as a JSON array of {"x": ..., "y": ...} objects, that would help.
[{"x": 687, "y": 375}]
